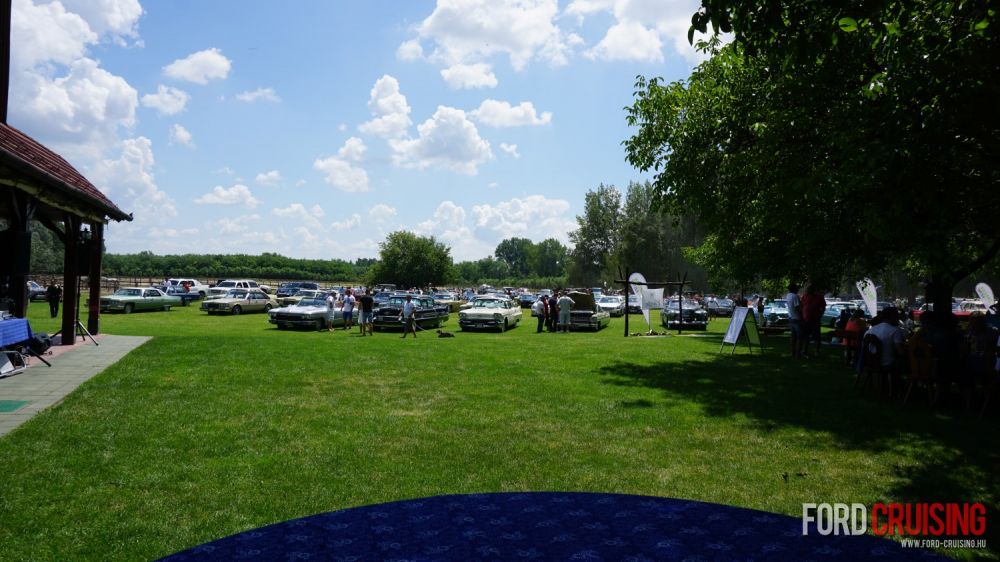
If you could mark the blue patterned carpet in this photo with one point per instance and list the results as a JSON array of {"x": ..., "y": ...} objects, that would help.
[{"x": 545, "y": 526}]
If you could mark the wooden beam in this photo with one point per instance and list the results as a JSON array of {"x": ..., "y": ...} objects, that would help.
[
  {"x": 96, "y": 250},
  {"x": 71, "y": 261},
  {"x": 49, "y": 196},
  {"x": 22, "y": 210},
  {"x": 47, "y": 223}
]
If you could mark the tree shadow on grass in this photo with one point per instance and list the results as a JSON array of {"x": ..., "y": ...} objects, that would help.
[{"x": 954, "y": 456}]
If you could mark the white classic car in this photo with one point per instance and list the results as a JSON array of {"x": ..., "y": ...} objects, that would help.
[
  {"x": 307, "y": 313},
  {"x": 490, "y": 312}
]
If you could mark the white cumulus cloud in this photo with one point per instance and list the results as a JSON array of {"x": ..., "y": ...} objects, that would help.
[
  {"x": 129, "y": 179},
  {"x": 468, "y": 76},
  {"x": 342, "y": 170},
  {"x": 629, "y": 41},
  {"x": 166, "y": 100},
  {"x": 307, "y": 217},
  {"x": 199, "y": 67},
  {"x": 534, "y": 215},
  {"x": 501, "y": 114},
  {"x": 238, "y": 194},
  {"x": 349, "y": 223},
  {"x": 271, "y": 178},
  {"x": 234, "y": 225},
  {"x": 180, "y": 135},
  {"x": 410, "y": 50},
  {"x": 382, "y": 212},
  {"x": 390, "y": 110},
  {"x": 260, "y": 94},
  {"x": 510, "y": 150},
  {"x": 465, "y": 31},
  {"x": 447, "y": 140},
  {"x": 117, "y": 19}
]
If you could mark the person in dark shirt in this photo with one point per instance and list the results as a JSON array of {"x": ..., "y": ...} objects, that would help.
[
  {"x": 553, "y": 312},
  {"x": 52, "y": 294},
  {"x": 367, "y": 304}
]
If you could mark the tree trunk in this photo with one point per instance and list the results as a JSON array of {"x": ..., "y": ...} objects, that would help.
[{"x": 938, "y": 293}]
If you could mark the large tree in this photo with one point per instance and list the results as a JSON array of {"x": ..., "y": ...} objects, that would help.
[
  {"x": 835, "y": 139},
  {"x": 594, "y": 239},
  {"x": 549, "y": 258},
  {"x": 408, "y": 260},
  {"x": 517, "y": 253}
]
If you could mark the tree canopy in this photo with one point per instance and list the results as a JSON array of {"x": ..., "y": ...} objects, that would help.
[
  {"x": 408, "y": 260},
  {"x": 834, "y": 139}
]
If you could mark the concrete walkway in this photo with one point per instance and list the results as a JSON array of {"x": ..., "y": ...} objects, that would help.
[{"x": 41, "y": 386}]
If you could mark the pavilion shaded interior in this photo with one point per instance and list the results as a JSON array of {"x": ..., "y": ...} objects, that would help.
[{"x": 36, "y": 184}]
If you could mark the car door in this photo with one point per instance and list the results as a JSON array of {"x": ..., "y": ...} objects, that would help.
[{"x": 151, "y": 299}]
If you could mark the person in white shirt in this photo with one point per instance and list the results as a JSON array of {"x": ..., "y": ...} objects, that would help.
[
  {"x": 406, "y": 315},
  {"x": 565, "y": 306},
  {"x": 794, "y": 317},
  {"x": 891, "y": 335},
  {"x": 331, "y": 307},
  {"x": 538, "y": 309},
  {"x": 349, "y": 310}
]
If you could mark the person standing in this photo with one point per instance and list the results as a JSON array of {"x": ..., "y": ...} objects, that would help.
[
  {"x": 813, "y": 307},
  {"x": 331, "y": 310},
  {"x": 367, "y": 304},
  {"x": 552, "y": 312},
  {"x": 538, "y": 309},
  {"x": 406, "y": 315},
  {"x": 794, "y": 317},
  {"x": 349, "y": 301},
  {"x": 565, "y": 305},
  {"x": 52, "y": 294}
]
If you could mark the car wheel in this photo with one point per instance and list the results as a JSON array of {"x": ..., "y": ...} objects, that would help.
[
  {"x": 166, "y": 308},
  {"x": 267, "y": 307},
  {"x": 320, "y": 325},
  {"x": 201, "y": 294},
  {"x": 237, "y": 310},
  {"x": 505, "y": 326},
  {"x": 129, "y": 308}
]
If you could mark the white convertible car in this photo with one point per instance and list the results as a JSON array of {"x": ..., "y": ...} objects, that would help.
[{"x": 490, "y": 312}]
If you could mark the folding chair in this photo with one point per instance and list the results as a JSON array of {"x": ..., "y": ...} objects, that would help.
[{"x": 12, "y": 363}]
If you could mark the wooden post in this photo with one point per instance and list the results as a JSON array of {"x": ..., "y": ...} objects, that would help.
[
  {"x": 71, "y": 260},
  {"x": 23, "y": 211},
  {"x": 94, "y": 277}
]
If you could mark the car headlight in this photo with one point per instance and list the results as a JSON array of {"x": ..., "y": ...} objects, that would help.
[
  {"x": 462, "y": 315},
  {"x": 498, "y": 317}
]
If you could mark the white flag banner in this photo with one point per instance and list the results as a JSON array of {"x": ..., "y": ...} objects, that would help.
[
  {"x": 637, "y": 284},
  {"x": 652, "y": 299},
  {"x": 985, "y": 293},
  {"x": 868, "y": 294}
]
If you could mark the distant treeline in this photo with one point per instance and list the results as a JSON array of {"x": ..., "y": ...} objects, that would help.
[{"x": 220, "y": 266}]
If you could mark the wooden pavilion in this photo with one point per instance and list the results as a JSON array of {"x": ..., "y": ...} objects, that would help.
[{"x": 36, "y": 184}]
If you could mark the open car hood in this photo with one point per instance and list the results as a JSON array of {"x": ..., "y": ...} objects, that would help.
[{"x": 582, "y": 301}]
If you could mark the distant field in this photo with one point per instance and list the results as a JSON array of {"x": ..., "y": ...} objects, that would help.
[{"x": 223, "y": 424}]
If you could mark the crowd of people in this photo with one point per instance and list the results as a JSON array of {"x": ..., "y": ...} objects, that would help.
[
  {"x": 553, "y": 312},
  {"x": 958, "y": 354}
]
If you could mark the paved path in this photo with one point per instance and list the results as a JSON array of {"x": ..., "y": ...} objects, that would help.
[{"x": 42, "y": 386}]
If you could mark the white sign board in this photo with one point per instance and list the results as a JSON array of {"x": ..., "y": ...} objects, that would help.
[{"x": 745, "y": 323}]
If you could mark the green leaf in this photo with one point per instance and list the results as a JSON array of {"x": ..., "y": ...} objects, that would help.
[
  {"x": 982, "y": 24},
  {"x": 892, "y": 28},
  {"x": 848, "y": 24},
  {"x": 834, "y": 39}
]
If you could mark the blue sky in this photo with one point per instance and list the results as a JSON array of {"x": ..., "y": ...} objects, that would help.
[{"x": 313, "y": 128}]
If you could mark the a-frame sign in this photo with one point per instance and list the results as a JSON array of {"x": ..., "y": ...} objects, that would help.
[{"x": 742, "y": 326}]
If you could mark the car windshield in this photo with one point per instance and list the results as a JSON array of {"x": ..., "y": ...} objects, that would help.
[
  {"x": 724, "y": 302},
  {"x": 398, "y": 301},
  {"x": 317, "y": 301},
  {"x": 779, "y": 304},
  {"x": 305, "y": 293},
  {"x": 225, "y": 284},
  {"x": 129, "y": 292},
  {"x": 633, "y": 299},
  {"x": 486, "y": 303},
  {"x": 609, "y": 300},
  {"x": 236, "y": 294}
]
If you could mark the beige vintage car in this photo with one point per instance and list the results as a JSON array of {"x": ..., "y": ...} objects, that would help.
[{"x": 240, "y": 301}]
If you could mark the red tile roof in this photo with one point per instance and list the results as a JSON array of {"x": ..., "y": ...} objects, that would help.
[{"x": 28, "y": 155}]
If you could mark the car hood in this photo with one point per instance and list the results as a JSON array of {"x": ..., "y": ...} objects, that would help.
[
  {"x": 299, "y": 309},
  {"x": 582, "y": 301}
]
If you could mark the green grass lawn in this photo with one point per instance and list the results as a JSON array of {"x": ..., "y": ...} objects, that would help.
[{"x": 223, "y": 424}]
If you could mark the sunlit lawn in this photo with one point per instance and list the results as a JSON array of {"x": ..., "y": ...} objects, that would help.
[{"x": 222, "y": 424}]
